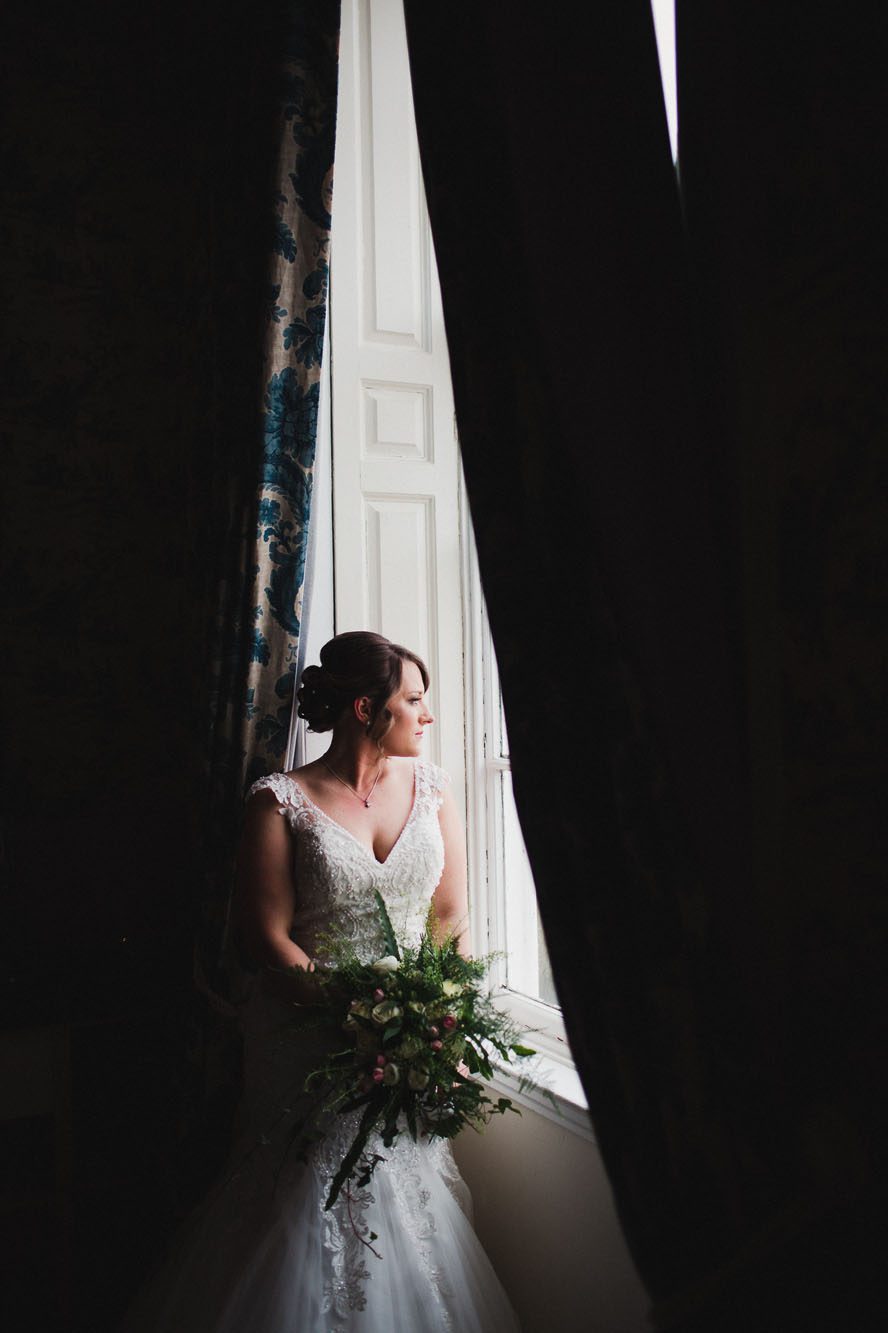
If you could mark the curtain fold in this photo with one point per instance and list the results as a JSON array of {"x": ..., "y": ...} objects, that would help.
[{"x": 613, "y": 506}]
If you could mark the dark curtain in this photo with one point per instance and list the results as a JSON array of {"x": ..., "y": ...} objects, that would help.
[
  {"x": 143, "y": 404},
  {"x": 671, "y": 424}
]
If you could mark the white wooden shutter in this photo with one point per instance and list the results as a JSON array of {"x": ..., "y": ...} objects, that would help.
[{"x": 395, "y": 455}]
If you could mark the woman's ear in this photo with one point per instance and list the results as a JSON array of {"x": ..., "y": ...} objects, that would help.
[{"x": 362, "y": 709}]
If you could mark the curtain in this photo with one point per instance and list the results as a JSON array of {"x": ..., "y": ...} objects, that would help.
[
  {"x": 256, "y": 648},
  {"x": 780, "y": 113},
  {"x": 617, "y": 512},
  {"x": 264, "y": 481}
]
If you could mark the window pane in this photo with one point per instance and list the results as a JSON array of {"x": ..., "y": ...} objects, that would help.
[{"x": 528, "y": 969}]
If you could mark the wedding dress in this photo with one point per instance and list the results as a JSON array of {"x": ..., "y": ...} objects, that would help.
[{"x": 261, "y": 1255}]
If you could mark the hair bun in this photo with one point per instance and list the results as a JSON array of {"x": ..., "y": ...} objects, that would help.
[{"x": 319, "y": 701}]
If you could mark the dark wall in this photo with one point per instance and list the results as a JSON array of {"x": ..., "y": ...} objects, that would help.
[
  {"x": 108, "y": 400},
  {"x": 134, "y": 180}
]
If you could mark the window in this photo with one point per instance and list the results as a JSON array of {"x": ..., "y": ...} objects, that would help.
[
  {"x": 505, "y": 918},
  {"x": 514, "y": 924}
]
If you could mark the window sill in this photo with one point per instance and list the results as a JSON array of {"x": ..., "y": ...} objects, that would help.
[
  {"x": 570, "y": 1110},
  {"x": 552, "y": 1067}
]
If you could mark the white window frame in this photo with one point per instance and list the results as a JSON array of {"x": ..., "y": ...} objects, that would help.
[{"x": 544, "y": 1023}]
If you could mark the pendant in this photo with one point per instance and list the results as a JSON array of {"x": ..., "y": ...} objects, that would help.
[{"x": 367, "y": 804}]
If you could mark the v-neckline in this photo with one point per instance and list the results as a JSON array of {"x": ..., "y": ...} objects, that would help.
[{"x": 348, "y": 833}]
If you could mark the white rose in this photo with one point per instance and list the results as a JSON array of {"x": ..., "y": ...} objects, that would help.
[
  {"x": 417, "y": 1079},
  {"x": 390, "y": 1075},
  {"x": 385, "y": 1011},
  {"x": 387, "y": 964}
]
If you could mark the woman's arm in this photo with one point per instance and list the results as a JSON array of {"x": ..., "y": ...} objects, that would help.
[
  {"x": 450, "y": 899},
  {"x": 265, "y": 897}
]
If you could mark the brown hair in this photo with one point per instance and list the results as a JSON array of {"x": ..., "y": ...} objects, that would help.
[{"x": 354, "y": 665}]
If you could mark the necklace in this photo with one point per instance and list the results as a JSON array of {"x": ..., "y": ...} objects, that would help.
[{"x": 365, "y": 799}]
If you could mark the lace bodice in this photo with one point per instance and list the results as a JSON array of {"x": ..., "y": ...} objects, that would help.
[{"x": 335, "y": 874}]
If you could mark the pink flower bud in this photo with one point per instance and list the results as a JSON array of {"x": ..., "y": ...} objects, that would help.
[
  {"x": 381, "y": 1061},
  {"x": 379, "y": 994},
  {"x": 433, "y": 1031},
  {"x": 377, "y": 1075},
  {"x": 436, "y": 1045},
  {"x": 449, "y": 1022}
]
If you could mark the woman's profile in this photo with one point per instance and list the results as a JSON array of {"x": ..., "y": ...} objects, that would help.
[{"x": 398, "y": 1255}]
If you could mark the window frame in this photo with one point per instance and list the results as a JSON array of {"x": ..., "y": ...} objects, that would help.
[{"x": 544, "y": 1023}]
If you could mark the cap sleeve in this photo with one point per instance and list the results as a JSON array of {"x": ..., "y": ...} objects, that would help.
[
  {"x": 278, "y": 783},
  {"x": 432, "y": 782}
]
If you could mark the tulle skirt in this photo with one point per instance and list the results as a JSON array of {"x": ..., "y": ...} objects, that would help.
[{"x": 262, "y": 1255}]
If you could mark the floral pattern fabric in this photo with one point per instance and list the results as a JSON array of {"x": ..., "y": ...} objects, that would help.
[
  {"x": 259, "y": 612},
  {"x": 296, "y": 318}
]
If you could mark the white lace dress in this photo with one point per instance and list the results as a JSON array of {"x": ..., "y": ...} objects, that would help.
[{"x": 261, "y": 1255}]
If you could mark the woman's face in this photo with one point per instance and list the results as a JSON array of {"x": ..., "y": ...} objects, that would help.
[{"x": 410, "y": 714}]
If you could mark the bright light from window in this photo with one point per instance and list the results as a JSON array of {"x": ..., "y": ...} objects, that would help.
[
  {"x": 528, "y": 970},
  {"x": 664, "y": 26}
]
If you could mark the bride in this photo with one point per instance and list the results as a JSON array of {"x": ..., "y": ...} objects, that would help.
[{"x": 400, "y": 1254}]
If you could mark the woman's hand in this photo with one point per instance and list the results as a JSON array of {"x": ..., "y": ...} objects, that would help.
[
  {"x": 308, "y": 985},
  {"x": 297, "y": 983}
]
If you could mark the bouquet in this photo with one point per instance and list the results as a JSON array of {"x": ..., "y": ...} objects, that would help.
[{"x": 420, "y": 1026}]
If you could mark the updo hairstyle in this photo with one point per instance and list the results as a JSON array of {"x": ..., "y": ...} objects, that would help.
[{"x": 355, "y": 665}]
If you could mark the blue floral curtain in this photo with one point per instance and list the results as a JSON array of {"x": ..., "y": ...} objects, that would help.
[
  {"x": 260, "y": 610},
  {"x": 250, "y": 723},
  {"x": 266, "y": 490}
]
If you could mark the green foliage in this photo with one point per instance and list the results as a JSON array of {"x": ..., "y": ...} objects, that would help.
[
  {"x": 385, "y": 921},
  {"x": 422, "y": 1036}
]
